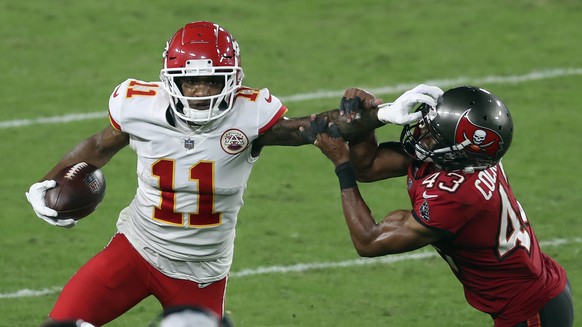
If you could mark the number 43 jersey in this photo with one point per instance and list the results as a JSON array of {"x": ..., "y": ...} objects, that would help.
[
  {"x": 487, "y": 240},
  {"x": 191, "y": 179}
]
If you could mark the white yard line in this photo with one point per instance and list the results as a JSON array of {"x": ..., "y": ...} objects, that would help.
[
  {"x": 386, "y": 260},
  {"x": 509, "y": 79}
]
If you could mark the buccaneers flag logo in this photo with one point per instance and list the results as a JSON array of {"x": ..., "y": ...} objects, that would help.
[{"x": 483, "y": 140}]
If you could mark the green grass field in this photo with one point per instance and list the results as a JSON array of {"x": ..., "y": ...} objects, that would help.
[{"x": 294, "y": 263}]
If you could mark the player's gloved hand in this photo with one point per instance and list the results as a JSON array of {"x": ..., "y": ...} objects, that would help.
[
  {"x": 355, "y": 101},
  {"x": 317, "y": 126},
  {"x": 331, "y": 143},
  {"x": 398, "y": 112},
  {"x": 36, "y": 196}
]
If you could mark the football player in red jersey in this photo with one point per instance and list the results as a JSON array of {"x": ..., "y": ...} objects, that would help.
[
  {"x": 197, "y": 134},
  {"x": 462, "y": 203}
]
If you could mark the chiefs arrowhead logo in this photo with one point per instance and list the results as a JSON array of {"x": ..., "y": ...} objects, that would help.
[{"x": 483, "y": 140}]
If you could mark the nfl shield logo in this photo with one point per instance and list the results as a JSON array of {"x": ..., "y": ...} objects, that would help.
[{"x": 189, "y": 144}]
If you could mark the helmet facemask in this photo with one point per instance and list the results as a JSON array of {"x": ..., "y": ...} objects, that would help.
[
  {"x": 219, "y": 104},
  {"x": 444, "y": 155}
]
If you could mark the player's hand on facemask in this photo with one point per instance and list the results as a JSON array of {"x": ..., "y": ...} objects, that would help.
[
  {"x": 355, "y": 101},
  {"x": 398, "y": 112}
]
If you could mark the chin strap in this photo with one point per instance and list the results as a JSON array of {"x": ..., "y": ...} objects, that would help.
[{"x": 453, "y": 148}]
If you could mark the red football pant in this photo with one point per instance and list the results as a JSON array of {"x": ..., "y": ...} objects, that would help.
[{"x": 118, "y": 278}]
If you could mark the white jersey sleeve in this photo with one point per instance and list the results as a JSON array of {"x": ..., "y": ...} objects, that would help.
[
  {"x": 115, "y": 103},
  {"x": 133, "y": 95},
  {"x": 272, "y": 108}
]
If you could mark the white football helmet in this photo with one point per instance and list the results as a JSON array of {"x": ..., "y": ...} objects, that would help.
[{"x": 202, "y": 49}]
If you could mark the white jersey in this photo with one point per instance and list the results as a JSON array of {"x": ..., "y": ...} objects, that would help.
[{"x": 190, "y": 179}]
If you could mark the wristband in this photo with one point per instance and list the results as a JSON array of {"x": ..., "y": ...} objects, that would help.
[{"x": 346, "y": 175}]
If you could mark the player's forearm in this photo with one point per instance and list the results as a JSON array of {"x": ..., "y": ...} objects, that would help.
[
  {"x": 77, "y": 154},
  {"x": 356, "y": 212},
  {"x": 362, "y": 155},
  {"x": 373, "y": 162},
  {"x": 288, "y": 132},
  {"x": 363, "y": 229},
  {"x": 96, "y": 150}
]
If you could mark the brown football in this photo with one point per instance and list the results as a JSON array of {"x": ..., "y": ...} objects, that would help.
[{"x": 80, "y": 189}]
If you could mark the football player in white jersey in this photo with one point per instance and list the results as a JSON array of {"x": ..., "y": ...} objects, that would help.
[{"x": 197, "y": 134}]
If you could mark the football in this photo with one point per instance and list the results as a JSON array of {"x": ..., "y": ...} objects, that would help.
[{"x": 80, "y": 189}]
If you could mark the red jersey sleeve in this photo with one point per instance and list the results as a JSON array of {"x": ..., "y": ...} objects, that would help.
[{"x": 440, "y": 200}]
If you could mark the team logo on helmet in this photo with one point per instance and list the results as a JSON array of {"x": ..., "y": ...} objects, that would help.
[
  {"x": 483, "y": 140},
  {"x": 233, "y": 141}
]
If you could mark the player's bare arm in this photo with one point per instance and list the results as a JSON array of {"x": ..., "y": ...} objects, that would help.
[
  {"x": 355, "y": 118},
  {"x": 287, "y": 130},
  {"x": 398, "y": 232},
  {"x": 96, "y": 150},
  {"x": 373, "y": 162}
]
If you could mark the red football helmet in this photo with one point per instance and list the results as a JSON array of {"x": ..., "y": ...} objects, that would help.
[{"x": 202, "y": 49}]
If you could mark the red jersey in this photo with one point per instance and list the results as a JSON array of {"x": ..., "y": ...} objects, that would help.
[{"x": 487, "y": 240}]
